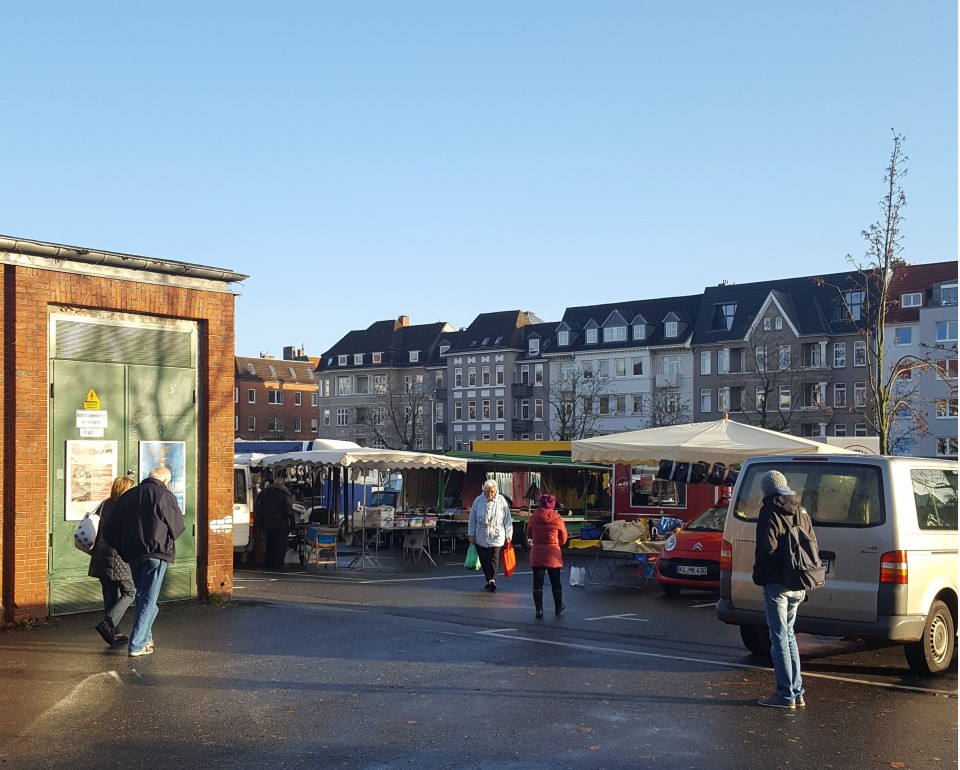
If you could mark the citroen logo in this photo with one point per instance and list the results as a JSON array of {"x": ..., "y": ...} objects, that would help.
[{"x": 698, "y": 546}]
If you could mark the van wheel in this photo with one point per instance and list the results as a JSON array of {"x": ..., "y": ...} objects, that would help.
[
  {"x": 756, "y": 639},
  {"x": 934, "y": 652}
]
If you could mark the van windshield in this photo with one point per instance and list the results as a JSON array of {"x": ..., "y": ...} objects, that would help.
[{"x": 832, "y": 493}]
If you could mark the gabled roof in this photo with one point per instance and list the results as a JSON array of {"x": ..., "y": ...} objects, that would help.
[
  {"x": 653, "y": 311},
  {"x": 392, "y": 338},
  {"x": 493, "y": 331},
  {"x": 812, "y": 303},
  {"x": 277, "y": 370}
]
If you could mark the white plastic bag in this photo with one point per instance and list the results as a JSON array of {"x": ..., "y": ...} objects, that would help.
[
  {"x": 578, "y": 576},
  {"x": 85, "y": 535}
]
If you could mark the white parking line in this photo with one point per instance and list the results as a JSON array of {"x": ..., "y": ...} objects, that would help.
[
  {"x": 625, "y": 616},
  {"x": 501, "y": 633},
  {"x": 698, "y": 606}
]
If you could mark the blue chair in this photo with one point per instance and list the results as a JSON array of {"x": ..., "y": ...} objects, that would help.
[{"x": 322, "y": 546}]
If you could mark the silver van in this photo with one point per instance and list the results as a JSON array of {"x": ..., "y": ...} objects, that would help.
[{"x": 887, "y": 530}]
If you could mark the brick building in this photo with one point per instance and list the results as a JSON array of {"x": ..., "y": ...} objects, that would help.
[
  {"x": 276, "y": 399},
  {"x": 111, "y": 362}
]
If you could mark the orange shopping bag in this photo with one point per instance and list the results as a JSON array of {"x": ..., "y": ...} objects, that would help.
[{"x": 509, "y": 559}]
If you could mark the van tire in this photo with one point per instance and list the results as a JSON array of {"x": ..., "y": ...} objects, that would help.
[
  {"x": 756, "y": 639},
  {"x": 934, "y": 652}
]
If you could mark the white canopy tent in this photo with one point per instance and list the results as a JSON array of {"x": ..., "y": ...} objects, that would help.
[
  {"x": 365, "y": 459},
  {"x": 721, "y": 441}
]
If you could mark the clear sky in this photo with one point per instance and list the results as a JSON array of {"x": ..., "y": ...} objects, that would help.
[{"x": 366, "y": 159}]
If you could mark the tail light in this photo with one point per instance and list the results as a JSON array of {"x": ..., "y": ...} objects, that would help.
[
  {"x": 893, "y": 567},
  {"x": 726, "y": 556}
]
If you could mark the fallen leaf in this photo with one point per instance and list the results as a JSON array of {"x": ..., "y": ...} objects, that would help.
[
  {"x": 584, "y": 729},
  {"x": 594, "y": 748}
]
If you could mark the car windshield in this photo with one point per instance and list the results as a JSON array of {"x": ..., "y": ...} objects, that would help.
[{"x": 711, "y": 520}]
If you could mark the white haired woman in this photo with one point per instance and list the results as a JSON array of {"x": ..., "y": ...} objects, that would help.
[{"x": 490, "y": 527}]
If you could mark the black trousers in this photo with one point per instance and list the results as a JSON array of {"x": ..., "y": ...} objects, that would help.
[
  {"x": 555, "y": 585},
  {"x": 489, "y": 561},
  {"x": 276, "y": 551}
]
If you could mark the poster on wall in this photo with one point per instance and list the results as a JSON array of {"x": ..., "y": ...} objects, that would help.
[
  {"x": 167, "y": 454},
  {"x": 91, "y": 469}
]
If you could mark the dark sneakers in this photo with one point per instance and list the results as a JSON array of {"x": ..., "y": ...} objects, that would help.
[
  {"x": 559, "y": 610},
  {"x": 775, "y": 701},
  {"x": 105, "y": 631}
]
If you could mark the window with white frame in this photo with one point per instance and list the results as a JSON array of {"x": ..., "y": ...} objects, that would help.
[
  {"x": 637, "y": 366},
  {"x": 670, "y": 329},
  {"x": 591, "y": 336},
  {"x": 274, "y": 396},
  {"x": 438, "y": 379},
  {"x": 297, "y": 425},
  {"x": 639, "y": 331},
  {"x": 438, "y": 411},
  {"x": 860, "y": 394},
  {"x": 314, "y": 426},
  {"x": 314, "y": 399},
  {"x": 760, "y": 398},
  {"x": 903, "y": 335},
  {"x": 671, "y": 365},
  {"x": 500, "y": 409},
  {"x": 854, "y": 303},
  {"x": 604, "y": 405},
  {"x": 946, "y": 331},
  {"x": 619, "y": 367},
  {"x": 297, "y": 398},
  {"x": 326, "y": 387},
  {"x": 946, "y": 407},
  {"x": 533, "y": 346},
  {"x": 913, "y": 299},
  {"x": 723, "y": 361},
  {"x": 458, "y": 411},
  {"x": 525, "y": 374},
  {"x": 760, "y": 356},
  {"x": 414, "y": 356},
  {"x": 946, "y": 446},
  {"x": 786, "y": 397},
  {"x": 343, "y": 386},
  {"x": 251, "y": 396},
  {"x": 342, "y": 360},
  {"x": 236, "y": 423},
  {"x": 767, "y": 324},
  {"x": 637, "y": 403},
  {"x": 538, "y": 374},
  {"x": 358, "y": 359},
  {"x": 485, "y": 409},
  {"x": 839, "y": 394},
  {"x": 840, "y": 429},
  {"x": 458, "y": 378},
  {"x": 563, "y": 338},
  {"x": 723, "y": 399},
  {"x": 499, "y": 380},
  {"x": 615, "y": 334},
  {"x": 472, "y": 377},
  {"x": 783, "y": 357},
  {"x": 603, "y": 368},
  {"x": 484, "y": 375},
  {"x": 839, "y": 355},
  {"x": 860, "y": 429},
  {"x": 705, "y": 359},
  {"x": 471, "y": 410},
  {"x": 343, "y": 417},
  {"x": 363, "y": 384},
  {"x": 236, "y": 395},
  {"x": 948, "y": 294},
  {"x": 859, "y": 353},
  {"x": 705, "y": 400},
  {"x": 778, "y": 323},
  {"x": 947, "y": 367},
  {"x": 538, "y": 408},
  {"x": 377, "y": 358},
  {"x": 587, "y": 368},
  {"x": 251, "y": 423}
]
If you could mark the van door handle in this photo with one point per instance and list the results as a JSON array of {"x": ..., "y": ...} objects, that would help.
[{"x": 828, "y": 555}]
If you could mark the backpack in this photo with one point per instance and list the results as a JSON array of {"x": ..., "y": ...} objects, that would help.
[{"x": 802, "y": 567}]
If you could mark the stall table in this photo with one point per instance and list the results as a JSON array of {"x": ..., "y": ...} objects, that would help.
[{"x": 604, "y": 560}]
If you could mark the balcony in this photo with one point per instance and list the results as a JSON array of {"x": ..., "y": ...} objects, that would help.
[
  {"x": 440, "y": 394},
  {"x": 522, "y": 389},
  {"x": 519, "y": 425}
]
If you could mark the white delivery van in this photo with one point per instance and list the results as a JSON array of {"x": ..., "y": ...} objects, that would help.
[{"x": 887, "y": 530}]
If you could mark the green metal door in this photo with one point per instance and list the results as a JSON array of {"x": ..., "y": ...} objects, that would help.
[{"x": 133, "y": 383}]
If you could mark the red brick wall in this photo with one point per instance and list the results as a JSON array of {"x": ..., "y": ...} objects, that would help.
[{"x": 26, "y": 296}]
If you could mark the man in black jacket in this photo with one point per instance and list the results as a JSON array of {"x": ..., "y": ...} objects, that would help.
[
  {"x": 273, "y": 514},
  {"x": 151, "y": 521},
  {"x": 779, "y": 511}
]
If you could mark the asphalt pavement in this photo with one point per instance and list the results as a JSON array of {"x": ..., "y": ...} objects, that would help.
[{"x": 409, "y": 667}]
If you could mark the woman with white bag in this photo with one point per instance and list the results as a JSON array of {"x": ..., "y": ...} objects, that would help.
[{"x": 116, "y": 581}]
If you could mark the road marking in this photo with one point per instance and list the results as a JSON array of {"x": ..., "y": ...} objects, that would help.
[
  {"x": 698, "y": 606},
  {"x": 501, "y": 633},
  {"x": 624, "y": 616}
]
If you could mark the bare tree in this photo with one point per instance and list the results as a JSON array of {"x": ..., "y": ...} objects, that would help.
[
  {"x": 399, "y": 412},
  {"x": 664, "y": 408},
  {"x": 574, "y": 399},
  {"x": 775, "y": 380},
  {"x": 892, "y": 409}
]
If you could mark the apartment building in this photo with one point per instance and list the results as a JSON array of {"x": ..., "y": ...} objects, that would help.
[
  {"x": 276, "y": 399},
  {"x": 374, "y": 386},
  {"x": 622, "y": 366},
  {"x": 490, "y": 371}
]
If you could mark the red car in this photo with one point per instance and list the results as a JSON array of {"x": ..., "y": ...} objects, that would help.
[{"x": 691, "y": 555}]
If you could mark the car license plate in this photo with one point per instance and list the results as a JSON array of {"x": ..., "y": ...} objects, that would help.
[{"x": 684, "y": 570}]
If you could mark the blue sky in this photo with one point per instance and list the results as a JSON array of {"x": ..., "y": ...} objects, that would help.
[{"x": 364, "y": 160}]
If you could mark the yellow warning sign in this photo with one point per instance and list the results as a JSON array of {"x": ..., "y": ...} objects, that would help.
[{"x": 92, "y": 401}]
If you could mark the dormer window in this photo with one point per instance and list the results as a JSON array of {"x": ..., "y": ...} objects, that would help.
[
  {"x": 444, "y": 349},
  {"x": 670, "y": 329},
  {"x": 723, "y": 317},
  {"x": 377, "y": 358},
  {"x": 639, "y": 331},
  {"x": 914, "y": 299},
  {"x": 250, "y": 369},
  {"x": 591, "y": 337},
  {"x": 533, "y": 347},
  {"x": 615, "y": 334},
  {"x": 414, "y": 356},
  {"x": 498, "y": 341},
  {"x": 563, "y": 338},
  {"x": 273, "y": 372},
  {"x": 485, "y": 341},
  {"x": 358, "y": 359},
  {"x": 293, "y": 374},
  {"x": 341, "y": 360}
]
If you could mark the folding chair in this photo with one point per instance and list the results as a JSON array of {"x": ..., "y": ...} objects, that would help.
[{"x": 322, "y": 546}]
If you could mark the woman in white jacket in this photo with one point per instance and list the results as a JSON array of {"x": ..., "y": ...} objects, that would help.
[{"x": 490, "y": 527}]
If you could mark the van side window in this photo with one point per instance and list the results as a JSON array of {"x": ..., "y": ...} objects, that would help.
[
  {"x": 833, "y": 494},
  {"x": 239, "y": 486},
  {"x": 935, "y": 493}
]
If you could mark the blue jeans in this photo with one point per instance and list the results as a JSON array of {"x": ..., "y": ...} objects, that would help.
[
  {"x": 118, "y": 595},
  {"x": 148, "y": 578},
  {"x": 780, "y": 607}
]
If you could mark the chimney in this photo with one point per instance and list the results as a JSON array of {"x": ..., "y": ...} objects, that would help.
[{"x": 403, "y": 320}]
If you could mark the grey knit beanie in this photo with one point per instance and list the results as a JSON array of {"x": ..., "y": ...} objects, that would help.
[{"x": 775, "y": 483}]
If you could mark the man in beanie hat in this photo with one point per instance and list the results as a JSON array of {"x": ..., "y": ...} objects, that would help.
[{"x": 780, "y": 511}]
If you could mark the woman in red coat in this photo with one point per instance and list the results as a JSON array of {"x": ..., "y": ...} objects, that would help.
[{"x": 547, "y": 532}]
